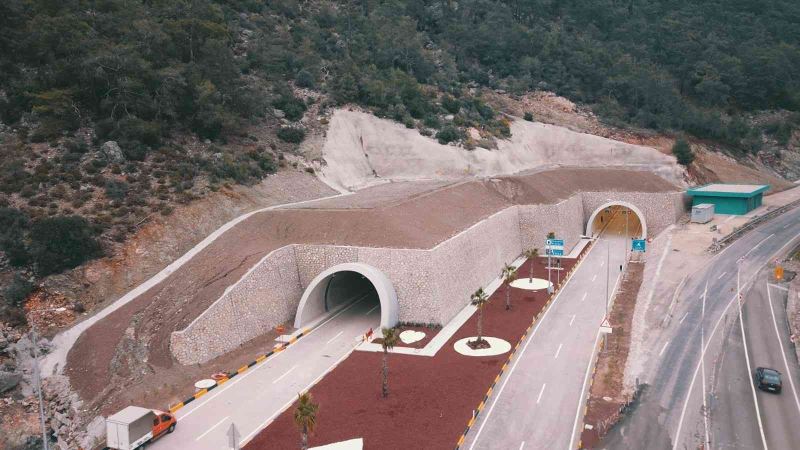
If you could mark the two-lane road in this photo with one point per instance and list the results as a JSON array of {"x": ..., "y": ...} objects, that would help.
[
  {"x": 254, "y": 398},
  {"x": 537, "y": 401}
]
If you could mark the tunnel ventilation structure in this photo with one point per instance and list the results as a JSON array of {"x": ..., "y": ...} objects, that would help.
[
  {"x": 590, "y": 224},
  {"x": 317, "y": 299}
]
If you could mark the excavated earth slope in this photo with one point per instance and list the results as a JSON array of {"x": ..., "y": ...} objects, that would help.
[{"x": 134, "y": 340}]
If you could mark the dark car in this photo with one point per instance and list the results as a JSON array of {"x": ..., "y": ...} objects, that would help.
[{"x": 768, "y": 380}]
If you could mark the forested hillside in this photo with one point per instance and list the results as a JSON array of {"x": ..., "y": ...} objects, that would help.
[{"x": 98, "y": 97}]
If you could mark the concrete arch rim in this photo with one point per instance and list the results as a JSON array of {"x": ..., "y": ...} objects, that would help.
[{"x": 628, "y": 205}]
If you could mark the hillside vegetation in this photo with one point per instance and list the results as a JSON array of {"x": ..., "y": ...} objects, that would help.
[{"x": 152, "y": 75}]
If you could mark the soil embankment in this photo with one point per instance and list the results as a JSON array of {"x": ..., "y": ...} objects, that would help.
[{"x": 128, "y": 350}]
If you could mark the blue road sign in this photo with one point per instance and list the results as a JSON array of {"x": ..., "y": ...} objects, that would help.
[
  {"x": 555, "y": 242},
  {"x": 638, "y": 245},
  {"x": 554, "y": 252}
]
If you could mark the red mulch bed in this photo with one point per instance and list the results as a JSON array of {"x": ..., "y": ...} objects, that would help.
[{"x": 430, "y": 398}]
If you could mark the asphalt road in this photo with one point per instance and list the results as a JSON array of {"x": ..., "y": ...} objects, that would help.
[
  {"x": 536, "y": 402},
  {"x": 737, "y": 424},
  {"x": 256, "y": 397},
  {"x": 681, "y": 386}
]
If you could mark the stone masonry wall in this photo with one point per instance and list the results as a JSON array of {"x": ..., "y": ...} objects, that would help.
[
  {"x": 432, "y": 285},
  {"x": 565, "y": 219},
  {"x": 265, "y": 296}
]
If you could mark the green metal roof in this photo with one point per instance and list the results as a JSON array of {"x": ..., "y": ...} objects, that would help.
[{"x": 728, "y": 190}]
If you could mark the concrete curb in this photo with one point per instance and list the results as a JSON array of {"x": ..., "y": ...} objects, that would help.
[
  {"x": 522, "y": 338},
  {"x": 595, "y": 356},
  {"x": 261, "y": 358}
]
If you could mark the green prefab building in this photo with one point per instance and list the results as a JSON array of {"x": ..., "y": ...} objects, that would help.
[{"x": 729, "y": 198}]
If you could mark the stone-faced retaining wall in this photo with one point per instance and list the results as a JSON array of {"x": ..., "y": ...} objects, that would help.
[{"x": 432, "y": 285}]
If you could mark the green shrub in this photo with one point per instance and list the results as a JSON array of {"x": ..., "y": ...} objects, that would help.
[
  {"x": 450, "y": 104},
  {"x": 683, "y": 152},
  {"x": 13, "y": 226},
  {"x": 528, "y": 116},
  {"x": 116, "y": 190},
  {"x": 292, "y": 135},
  {"x": 17, "y": 291},
  {"x": 448, "y": 134},
  {"x": 304, "y": 79},
  {"x": 62, "y": 242}
]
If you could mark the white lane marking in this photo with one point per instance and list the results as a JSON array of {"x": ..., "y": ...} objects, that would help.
[
  {"x": 749, "y": 372},
  {"x": 584, "y": 296},
  {"x": 286, "y": 373},
  {"x": 539, "y": 398},
  {"x": 602, "y": 263},
  {"x": 713, "y": 331},
  {"x": 663, "y": 348},
  {"x": 583, "y": 393},
  {"x": 558, "y": 351},
  {"x": 786, "y": 226},
  {"x": 703, "y": 367},
  {"x": 594, "y": 277},
  {"x": 291, "y": 401},
  {"x": 372, "y": 309},
  {"x": 684, "y": 317},
  {"x": 777, "y": 286},
  {"x": 521, "y": 353},
  {"x": 229, "y": 384},
  {"x": 783, "y": 353},
  {"x": 522, "y": 445},
  {"x": 757, "y": 245},
  {"x": 572, "y": 320},
  {"x": 721, "y": 275},
  {"x": 212, "y": 428},
  {"x": 334, "y": 338}
]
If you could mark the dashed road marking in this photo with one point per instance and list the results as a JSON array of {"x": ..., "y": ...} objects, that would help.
[
  {"x": 522, "y": 445},
  {"x": 212, "y": 428},
  {"x": 584, "y": 296},
  {"x": 572, "y": 320},
  {"x": 334, "y": 338},
  {"x": 372, "y": 309},
  {"x": 286, "y": 373},
  {"x": 558, "y": 351},
  {"x": 663, "y": 348},
  {"x": 682, "y": 318},
  {"x": 594, "y": 277},
  {"x": 721, "y": 275},
  {"x": 538, "y": 399},
  {"x": 757, "y": 245}
]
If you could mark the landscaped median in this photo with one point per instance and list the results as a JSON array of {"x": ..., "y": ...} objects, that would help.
[{"x": 431, "y": 398}]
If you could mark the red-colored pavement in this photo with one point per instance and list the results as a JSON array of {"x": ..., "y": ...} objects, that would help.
[{"x": 431, "y": 398}]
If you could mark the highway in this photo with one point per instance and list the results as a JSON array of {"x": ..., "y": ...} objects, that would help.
[
  {"x": 256, "y": 397},
  {"x": 536, "y": 403},
  {"x": 689, "y": 401}
]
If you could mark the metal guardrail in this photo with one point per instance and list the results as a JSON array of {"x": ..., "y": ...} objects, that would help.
[{"x": 726, "y": 240}]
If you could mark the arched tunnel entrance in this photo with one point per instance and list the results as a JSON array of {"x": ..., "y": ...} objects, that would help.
[
  {"x": 364, "y": 287},
  {"x": 617, "y": 218}
]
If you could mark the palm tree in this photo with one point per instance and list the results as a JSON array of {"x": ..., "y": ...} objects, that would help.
[
  {"x": 479, "y": 299},
  {"x": 531, "y": 254},
  {"x": 305, "y": 416},
  {"x": 509, "y": 274},
  {"x": 390, "y": 337}
]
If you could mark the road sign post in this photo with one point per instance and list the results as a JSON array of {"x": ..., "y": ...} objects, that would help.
[{"x": 552, "y": 247}]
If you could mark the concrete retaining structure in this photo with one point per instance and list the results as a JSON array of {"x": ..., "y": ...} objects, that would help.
[{"x": 431, "y": 285}]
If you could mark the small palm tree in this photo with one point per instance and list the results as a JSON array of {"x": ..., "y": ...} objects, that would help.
[
  {"x": 305, "y": 416},
  {"x": 479, "y": 299},
  {"x": 509, "y": 274},
  {"x": 531, "y": 254},
  {"x": 390, "y": 337}
]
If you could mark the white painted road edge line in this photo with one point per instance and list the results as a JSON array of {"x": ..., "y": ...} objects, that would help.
[
  {"x": 758, "y": 245},
  {"x": 517, "y": 358},
  {"x": 210, "y": 429},
  {"x": 372, "y": 309},
  {"x": 583, "y": 392},
  {"x": 777, "y": 286},
  {"x": 783, "y": 353},
  {"x": 703, "y": 368},
  {"x": 284, "y": 375},
  {"x": 749, "y": 371},
  {"x": 539, "y": 398},
  {"x": 713, "y": 331}
]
